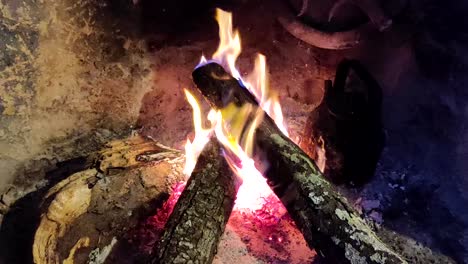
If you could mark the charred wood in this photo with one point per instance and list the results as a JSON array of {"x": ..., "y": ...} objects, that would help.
[
  {"x": 197, "y": 222},
  {"x": 326, "y": 219}
]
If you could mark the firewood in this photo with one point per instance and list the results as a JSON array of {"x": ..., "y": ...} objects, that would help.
[
  {"x": 327, "y": 220},
  {"x": 92, "y": 210},
  {"x": 193, "y": 230}
]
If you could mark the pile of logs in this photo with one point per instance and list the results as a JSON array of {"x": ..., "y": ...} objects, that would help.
[
  {"x": 328, "y": 222},
  {"x": 129, "y": 175}
]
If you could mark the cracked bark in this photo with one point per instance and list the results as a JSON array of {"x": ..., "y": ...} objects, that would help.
[
  {"x": 198, "y": 220},
  {"x": 124, "y": 182},
  {"x": 326, "y": 219}
]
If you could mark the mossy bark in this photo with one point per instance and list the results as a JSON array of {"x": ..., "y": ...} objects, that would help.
[
  {"x": 198, "y": 220},
  {"x": 326, "y": 219}
]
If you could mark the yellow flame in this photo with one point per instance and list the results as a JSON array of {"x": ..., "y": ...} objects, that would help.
[
  {"x": 257, "y": 84},
  {"x": 202, "y": 136},
  {"x": 229, "y": 43},
  {"x": 257, "y": 81},
  {"x": 227, "y": 53},
  {"x": 235, "y": 126},
  {"x": 248, "y": 141},
  {"x": 228, "y": 130}
]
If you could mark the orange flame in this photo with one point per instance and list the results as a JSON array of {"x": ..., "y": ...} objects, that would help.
[
  {"x": 202, "y": 136},
  {"x": 229, "y": 124},
  {"x": 235, "y": 126},
  {"x": 227, "y": 53},
  {"x": 229, "y": 43},
  {"x": 257, "y": 84}
]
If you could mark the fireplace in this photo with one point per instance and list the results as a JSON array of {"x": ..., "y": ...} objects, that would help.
[{"x": 233, "y": 132}]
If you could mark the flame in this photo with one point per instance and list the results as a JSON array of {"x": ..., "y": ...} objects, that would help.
[
  {"x": 226, "y": 55},
  {"x": 229, "y": 124},
  {"x": 257, "y": 84},
  {"x": 202, "y": 136},
  {"x": 229, "y": 43},
  {"x": 235, "y": 126}
]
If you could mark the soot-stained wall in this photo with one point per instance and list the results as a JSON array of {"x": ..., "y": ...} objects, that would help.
[{"x": 70, "y": 79}]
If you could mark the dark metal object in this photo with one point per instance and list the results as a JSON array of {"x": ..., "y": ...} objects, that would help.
[
  {"x": 349, "y": 122},
  {"x": 339, "y": 24},
  {"x": 322, "y": 39}
]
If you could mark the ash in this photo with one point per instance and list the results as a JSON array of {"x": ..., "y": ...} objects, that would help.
[
  {"x": 262, "y": 237},
  {"x": 265, "y": 235}
]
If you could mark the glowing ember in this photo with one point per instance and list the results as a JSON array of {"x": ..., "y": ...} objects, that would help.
[
  {"x": 150, "y": 231},
  {"x": 235, "y": 126}
]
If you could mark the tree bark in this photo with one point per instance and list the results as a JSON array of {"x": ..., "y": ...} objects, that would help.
[
  {"x": 198, "y": 220},
  {"x": 93, "y": 209},
  {"x": 326, "y": 219}
]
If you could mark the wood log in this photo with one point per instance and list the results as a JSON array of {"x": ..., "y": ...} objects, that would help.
[
  {"x": 93, "y": 210},
  {"x": 197, "y": 222},
  {"x": 327, "y": 220}
]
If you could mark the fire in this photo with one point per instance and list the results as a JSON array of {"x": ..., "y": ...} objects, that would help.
[
  {"x": 257, "y": 84},
  {"x": 230, "y": 122},
  {"x": 234, "y": 126},
  {"x": 202, "y": 136},
  {"x": 229, "y": 43},
  {"x": 226, "y": 55}
]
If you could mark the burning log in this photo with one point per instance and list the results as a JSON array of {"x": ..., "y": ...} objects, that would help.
[
  {"x": 197, "y": 222},
  {"x": 337, "y": 40},
  {"x": 326, "y": 219}
]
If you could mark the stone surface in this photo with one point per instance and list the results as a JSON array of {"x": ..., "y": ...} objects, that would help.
[{"x": 71, "y": 79}]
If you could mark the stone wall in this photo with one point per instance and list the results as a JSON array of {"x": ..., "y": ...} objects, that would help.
[{"x": 71, "y": 77}]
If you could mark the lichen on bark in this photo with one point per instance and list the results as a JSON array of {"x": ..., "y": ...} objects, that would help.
[{"x": 327, "y": 220}]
